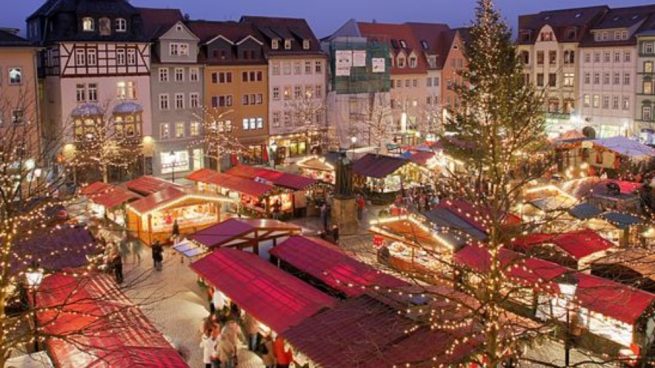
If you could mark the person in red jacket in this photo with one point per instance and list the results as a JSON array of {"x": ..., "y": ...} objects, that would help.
[{"x": 283, "y": 357}]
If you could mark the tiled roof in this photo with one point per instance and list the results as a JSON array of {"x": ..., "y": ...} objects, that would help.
[
  {"x": 395, "y": 35},
  {"x": 285, "y": 28},
  {"x": 156, "y": 21},
  {"x": 579, "y": 18},
  {"x": 378, "y": 166},
  {"x": 9, "y": 39},
  {"x": 434, "y": 36}
]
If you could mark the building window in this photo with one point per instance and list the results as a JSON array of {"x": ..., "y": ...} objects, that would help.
[
  {"x": 319, "y": 91},
  {"x": 306, "y": 44},
  {"x": 126, "y": 90},
  {"x": 648, "y": 47},
  {"x": 297, "y": 70},
  {"x": 540, "y": 79},
  {"x": 179, "y": 74},
  {"x": 194, "y": 128},
  {"x": 297, "y": 92},
  {"x": 15, "y": 76},
  {"x": 163, "y": 74},
  {"x": 80, "y": 57},
  {"x": 617, "y": 57},
  {"x": 178, "y": 49},
  {"x": 615, "y": 102},
  {"x": 596, "y": 57},
  {"x": 596, "y": 101},
  {"x": 587, "y": 78},
  {"x": 275, "y": 70},
  {"x": 287, "y": 93},
  {"x": 648, "y": 67},
  {"x": 286, "y": 68},
  {"x": 607, "y": 56},
  {"x": 164, "y": 131},
  {"x": 244, "y": 100},
  {"x": 179, "y": 130},
  {"x": 92, "y": 57},
  {"x": 194, "y": 75},
  {"x": 179, "y": 101},
  {"x": 308, "y": 67},
  {"x": 617, "y": 79},
  {"x": 648, "y": 87},
  {"x": 318, "y": 67},
  {"x": 552, "y": 80},
  {"x": 525, "y": 57},
  {"x": 120, "y": 56},
  {"x": 540, "y": 58},
  {"x": 259, "y": 99},
  {"x": 163, "y": 102},
  {"x": 287, "y": 44},
  {"x": 131, "y": 57},
  {"x": 92, "y": 92},
  {"x": 586, "y": 101},
  {"x": 80, "y": 92},
  {"x": 104, "y": 26},
  {"x": 568, "y": 79},
  {"x": 596, "y": 78},
  {"x": 606, "y": 78},
  {"x": 260, "y": 76},
  {"x": 222, "y": 101},
  {"x": 276, "y": 119},
  {"x": 401, "y": 61},
  {"x": 626, "y": 79},
  {"x": 276, "y": 93},
  {"x": 569, "y": 57},
  {"x": 587, "y": 57},
  {"x": 646, "y": 113},
  {"x": 287, "y": 118},
  {"x": 626, "y": 103},
  {"x": 407, "y": 82},
  {"x": 552, "y": 57},
  {"x": 88, "y": 24},
  {"x": 275, "y": 44},
  {"x": 606, "y": 102},
  {"x": 194, "y": 100},
  {"x": 121, "y": 25},
  {"x": 412, "y": 62}
]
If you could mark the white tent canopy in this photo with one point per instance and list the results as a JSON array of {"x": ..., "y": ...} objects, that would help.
[{"x": 626, "y": 147}]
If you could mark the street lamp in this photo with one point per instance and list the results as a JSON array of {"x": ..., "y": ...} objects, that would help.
[
  {"x": 34, "y": 276},
  {"x": 274, "y": 152},
  {"x": 353, "y": 141},
  {"x": 172, "y": 156},
  {"x": 568, "y": 284}
]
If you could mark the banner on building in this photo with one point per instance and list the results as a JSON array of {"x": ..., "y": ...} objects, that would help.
[
  {"x": 359, "y": 58},
  {"x": 344, "y": 62},
  {"x": 378, "y": 65}
]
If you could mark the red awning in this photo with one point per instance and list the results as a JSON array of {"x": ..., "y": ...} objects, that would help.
[
  {"x": 272, "y": 296},
  {"x": 378, "y": 166},
  {"x": 328, "y": 264},
  {"x": 580, "y": 244},
  {"x": 146, "y": 185},
  {"x": 157, "y": 199},
  {"x": 97, "y": 326},
  {"x": 114, "y": 197},
  {"x": 234, "y": 183},
  {"x": 95, "y": 188},
  {"x": 421, "y": 157},
  {"x": 237, "y": 231},
  {"x": 278, "y": 178}
]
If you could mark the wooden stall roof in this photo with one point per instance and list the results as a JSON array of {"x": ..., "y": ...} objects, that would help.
[
  {"x": 378, "y": 166},
  {"x": 168, "y": 196},
  {"x": 239, "y": 232},
  {"x": 278, "y": 178},
  {"x": 234, "y": 183},
  {"x": 146, "y": 185},
  {"x": 409, "y": 230}
]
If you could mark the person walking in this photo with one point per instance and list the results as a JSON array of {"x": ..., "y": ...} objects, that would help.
[
  {"x": 324, "y": 217},
  {"x": 135, "y": 249},
  {"x": 283, "y": 357},
  {"x": 116, "y": 262},
  {"x": 277, "y": 209},
  {"x": 361, "y": 204},
  {"x": 208, "y": 344},
  {"x": 266, "y": 351},
  {"x": 175, "y": 234},
  {"x": 335, "y": 233},
  {"x": 251, "y": 327},
  {"x": 157, "y": 255},
  {"x": 226, "y": 352},
  {"x": 123, "y": 247}
]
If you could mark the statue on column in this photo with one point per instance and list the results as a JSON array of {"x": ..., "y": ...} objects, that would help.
[{"x": 344, "y": 177}]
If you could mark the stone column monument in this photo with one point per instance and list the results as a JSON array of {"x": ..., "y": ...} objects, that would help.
[{"x": 344, "y": 208}]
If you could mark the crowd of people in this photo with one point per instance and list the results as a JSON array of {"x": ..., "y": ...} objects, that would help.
[
  {"x": 229, "y": 334},
  {"x": 422, "y": 198}
]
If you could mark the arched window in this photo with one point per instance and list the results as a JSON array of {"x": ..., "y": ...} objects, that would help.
[
  {"x": 121, "y": 25},
  {"x": 88, "y": 25}
]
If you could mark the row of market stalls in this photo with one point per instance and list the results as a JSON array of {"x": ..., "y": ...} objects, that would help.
[{"x": 607, "y": 154}]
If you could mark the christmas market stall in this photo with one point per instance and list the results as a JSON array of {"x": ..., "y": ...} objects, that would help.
[
  {"x": 611, "y": 153},
  {"x": 273, "y": 297},
  {"x": 251, "y": 197},
  {"x": 319, "y": 167},
  {"x": 292, "y": 200},
  {"x": 325, "y": 265},
  {"x": 606, "y": 316},
  {"x": 152, "y": 218},
  {"x": 108, "y": 201},
  {"x": 256, "y": 235},
  {"x": 546, "y": 202},
  {"x": 380, "y": 174},
  {"x": 91, "y": 323}
]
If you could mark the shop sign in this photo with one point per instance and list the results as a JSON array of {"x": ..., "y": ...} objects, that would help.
[
  {"x": 359, "y": 58},
  {"x": 378, "y": 65},
  {"x": 378, "y": 241},
  {"x": 344, "y": 62}
]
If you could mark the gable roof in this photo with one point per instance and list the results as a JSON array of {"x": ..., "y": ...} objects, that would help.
[
  {"x": 394, "y": 35},
  {"x": 10, "y": 39},
  {"x": 378, "y": 166},
  {"x": 434, "y": 36},
  {"x": 157, "y": 21},
  {"x": 285, "y": 28},
  {"x": 560, "y": 20}
]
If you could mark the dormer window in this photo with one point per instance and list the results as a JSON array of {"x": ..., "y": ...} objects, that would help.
[
  {"x": 305, "y": 44},
  {"x": 275, "y": 44},
  {"x": 624, "y": 35},
  {"x": 394, "y": 44},
  {"x": 287, "y": 44},
  {"x": 403, "y": 44},
  {"x": 401, "y": 61},
  {"x": 578, "y": 15},
  {"x": 104, "y": 26},
  {"x": 424, "y": 44},
  {"x": 412, "y": 62},
  {"x": 605, "y": 36},
  {"x": 121, "y": 25},
  {"x": 88, "y": 25}
]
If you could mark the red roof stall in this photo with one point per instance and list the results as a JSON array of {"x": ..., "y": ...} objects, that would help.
[
  {"x": 146, "y": 185},
  {"x": 381, "y": 173},
  {"x": 108, "y": 200},
  {"x": 97, "y": 326},
  {"x": 244, "y": 233},
  {"x": 151, "y": 218},
  {"x": 274, "y": 297},
  {"x": 295, "y": 187},
  {"x": 605, "y": 308},
  {"x": 328, "y": 264},
  {"x": 251, "y": 194}
]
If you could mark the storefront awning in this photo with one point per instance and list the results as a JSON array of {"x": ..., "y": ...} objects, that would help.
[
  {"x": 577, "y": 244},
  {"x": 243, "y": 232},
  {"x": 274, "y": 297},
  {"x": 234, "y": 183},
  {"x": 327, "y": 263},
  {"x": 97, "y": 326},
  {"x": 378, "y": 166}
]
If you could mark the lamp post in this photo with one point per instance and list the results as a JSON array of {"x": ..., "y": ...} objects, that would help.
[
  {"x": 353, "y": 141},
  {"x": 274, "y": 152},
  {"x": 34, "y": 276},
  {"x": 172, "y": 156},
  {"x": 568, "y": 284}
]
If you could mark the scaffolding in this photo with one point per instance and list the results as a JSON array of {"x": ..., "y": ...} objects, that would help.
[{"x": 361, "y": 79}]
